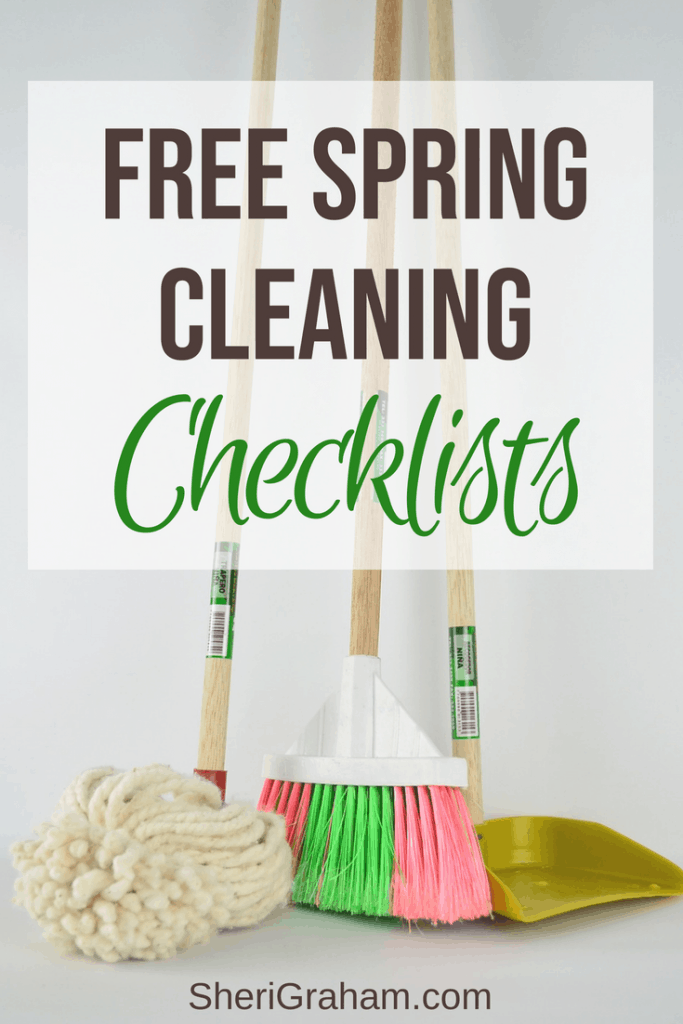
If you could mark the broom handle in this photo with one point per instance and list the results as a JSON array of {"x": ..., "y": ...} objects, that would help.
[
  {"x": 366, "y": 586},
  {"x": 218, "y": 670},
  {"x": 459, "y": 574}
]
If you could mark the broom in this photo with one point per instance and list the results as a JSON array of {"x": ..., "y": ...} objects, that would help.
[
  {"x": 376, "y": 822},
  {"x": 218, "y": 662}
]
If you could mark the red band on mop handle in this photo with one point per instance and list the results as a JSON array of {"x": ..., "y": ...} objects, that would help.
[{"x": 218, "y": 776}]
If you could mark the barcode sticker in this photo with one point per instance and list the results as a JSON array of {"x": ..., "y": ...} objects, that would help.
[
  {"x": 466, "y": 713},
  {"x": 217, "y": 647},
  {"x": 464, "y": 690},
  {"x": 223, "y": 600}
]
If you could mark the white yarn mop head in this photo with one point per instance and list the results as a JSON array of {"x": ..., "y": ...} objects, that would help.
[{"x": 145, "y": 863}]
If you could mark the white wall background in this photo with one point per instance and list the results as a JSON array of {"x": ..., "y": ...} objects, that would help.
[{"x": 580, "y": 672}]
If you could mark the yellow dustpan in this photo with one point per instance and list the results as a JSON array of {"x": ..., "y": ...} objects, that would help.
[{"x": 539, "y": 866}]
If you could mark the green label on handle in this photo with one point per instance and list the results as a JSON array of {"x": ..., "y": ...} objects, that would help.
[
  {"x": 462, "y": 642},
  {"x": 223, "y": 597}
]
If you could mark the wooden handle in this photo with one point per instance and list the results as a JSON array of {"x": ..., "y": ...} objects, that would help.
[
  {"x": 217, "y": 671},
  {"x": 460, "y": 585},
  {"x": 366, "y": 593},
  {"x": 459, "y": 574},
  {"x": 441, "y": 48},
  {"x": 388, "y": 26},
  {"x": 264, "y": 67},
  {"x": 249, "y": 249},
  {"x": 366, "y": 588},
  {"x": 214, "y": 721}
]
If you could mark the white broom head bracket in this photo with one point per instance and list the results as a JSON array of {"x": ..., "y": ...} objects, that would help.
[{"x": 363, "y": 736}]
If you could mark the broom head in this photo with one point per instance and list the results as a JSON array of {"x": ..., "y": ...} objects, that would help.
[{"x": 374, "y": 813}]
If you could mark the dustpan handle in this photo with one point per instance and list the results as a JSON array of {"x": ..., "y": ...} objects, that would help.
[
  {"x": 460, "y": 580},
  {"x": 366, "y": 587}
]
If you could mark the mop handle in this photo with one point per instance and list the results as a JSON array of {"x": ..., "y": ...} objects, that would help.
[
  {"x": 218, "y": 668},
  {"x": 366, "y": 584},
  {"x": 459, "y": 574}
]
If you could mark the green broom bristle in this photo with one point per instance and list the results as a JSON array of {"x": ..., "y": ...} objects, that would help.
[
  {"x": 333, "y": 869},
  {"x": 354, "y": 899},
  {"x": 309, "y": 875},
  {"x": 380, "y": 850},
  {"x": 347, "y": 857},
  {"x": 342, "y": 898}
]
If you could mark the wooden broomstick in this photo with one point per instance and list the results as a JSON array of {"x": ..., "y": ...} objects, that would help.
[
  {"x": 218, "y": 663},
  {"x": 366, "y": 587},
  {"x": 459, "y": 574}
]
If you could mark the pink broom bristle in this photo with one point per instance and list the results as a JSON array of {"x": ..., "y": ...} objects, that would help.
[
  {"x": 269, "y": 795},
  {"x": 438, "y": 873},
  {"x": 295, "y": 837},
  {"x": 282, "y": 798},
  {"x": 431, "y": 863},
  {"x": 405, "y": 902},
  {"x": 292, "y": 801},
  {"x": 398, "y": 881},
  {"x": 408, "y": 897},
  {"x": 479, "y": 878},
  {"x": 291, "y": 810},
  {"x": 455, "y": 886},
  {"x": 268, "y": 786},
  {"x": 464, "y": 889}
]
